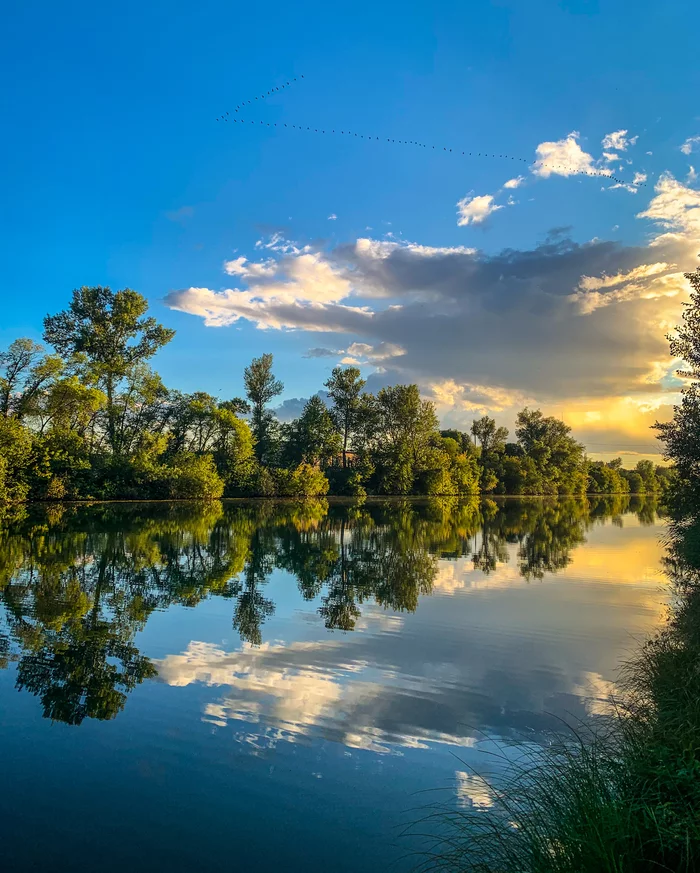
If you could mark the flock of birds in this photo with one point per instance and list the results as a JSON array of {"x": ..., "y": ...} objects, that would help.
[{"x": 237, "y": 119}]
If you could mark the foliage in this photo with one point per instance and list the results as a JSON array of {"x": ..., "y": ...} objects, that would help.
[
  {"x": 261, "y": 386},
  {"x": 189, "y": 476},
  {"x": 313, "y": 437},
  {"x": 345, "y": 390},
  {"x": 302, "y": 481},
  {"x": 681, "y": 435},
  {"x": 107, "y": 337}
]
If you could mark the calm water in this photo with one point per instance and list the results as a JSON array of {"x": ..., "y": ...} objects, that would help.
[{"x": 259, "y": 686}]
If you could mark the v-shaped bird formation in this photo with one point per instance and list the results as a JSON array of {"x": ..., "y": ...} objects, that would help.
[{"x": 236, "y": 118}]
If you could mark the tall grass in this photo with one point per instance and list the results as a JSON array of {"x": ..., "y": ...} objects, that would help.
[{"x": 619, "y": 796}]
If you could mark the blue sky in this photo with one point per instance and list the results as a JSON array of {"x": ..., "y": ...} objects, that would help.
[{"x": 117, "y": 173}]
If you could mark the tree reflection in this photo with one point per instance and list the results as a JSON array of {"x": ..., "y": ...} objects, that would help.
[{"x": 78, "y": 583}]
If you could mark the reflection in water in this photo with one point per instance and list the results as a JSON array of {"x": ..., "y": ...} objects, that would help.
[{"x": 78, "y": 583}]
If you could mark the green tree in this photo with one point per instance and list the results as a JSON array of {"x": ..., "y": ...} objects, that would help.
[
  {"x": 303, "y": 481},
  {"x": 192, "y": 477},
  {"x": 647, "y": 471},
  {"x": 313, "y": 437},
  {"x": 491, "y": 437},
  {"x": 261, "y": 386},
  {"x": 25, "y": 373},
  {"x": 406, "y": 431},
  {"x": 106, "y": 335},
  {"x": 681, "y": 435},
  {"x": 15, "y": 458},
  {"x": 345, "y": 389},
  {"x": 558, "y": 457}
]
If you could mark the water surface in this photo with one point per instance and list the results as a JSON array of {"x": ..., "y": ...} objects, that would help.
[{"x": 274, "y": 686}]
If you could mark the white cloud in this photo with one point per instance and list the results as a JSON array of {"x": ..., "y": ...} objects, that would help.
[
  {"x": 690, "y": 144},
  {"x": 675, "y": 207},
  {"x": 611, "y": 156},
  {"x": 474, "y": 328},
  {"x": 243, "y": 267},
  {"x": 375, "y": 354},
  {"x": 692, "y": 175},
  {"x": 475, "y": 209},
  {"x": 618, "y": 140},
  {"x": 565, "y": 157},
  {"x": 332, "y": 216},
  {"x": 515, "y": 183}
]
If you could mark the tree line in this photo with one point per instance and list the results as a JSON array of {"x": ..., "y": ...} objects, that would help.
[{"x": 91, "y": 419}]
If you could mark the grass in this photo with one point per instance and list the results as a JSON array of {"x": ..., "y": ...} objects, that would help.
[{"x": 618, "y": 796}]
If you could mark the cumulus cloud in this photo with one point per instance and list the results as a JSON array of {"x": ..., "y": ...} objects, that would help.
[
  {"x": 690, "y": 145},
  {"x": 564, "y": 157},
  {"x": 475, "y": 209},
  {"x": 692, "y": 175},
  {"x": 332, "y": 217},
  {"x": 675, "y": 207},
  {"x": 563, "y": 322},
  {"x": 515, "y": 183},
  {"x": 618, "y": 140}
]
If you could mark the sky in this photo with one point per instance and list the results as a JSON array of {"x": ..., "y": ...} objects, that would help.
[{"x": 492, "y": 282}]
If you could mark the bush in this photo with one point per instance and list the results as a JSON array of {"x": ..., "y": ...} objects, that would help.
[
  {"x": 192, "y": 477},
  {"x": 303, "y": 481},
  {"x": 15, "y": 456}
]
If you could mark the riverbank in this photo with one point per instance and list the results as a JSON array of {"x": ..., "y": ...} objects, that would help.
[{"x": 620, "y": 795}]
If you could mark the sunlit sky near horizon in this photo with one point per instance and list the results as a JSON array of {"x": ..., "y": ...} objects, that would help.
[{"x": 492, "y": 283}]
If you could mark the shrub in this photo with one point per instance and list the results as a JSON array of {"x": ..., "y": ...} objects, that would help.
[
  {"x": 193, "y": 477},
  {"x": 303, "y": 481}
]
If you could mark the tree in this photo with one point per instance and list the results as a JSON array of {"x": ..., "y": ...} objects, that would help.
[
  {"x": 261, "y": 386},
  {"x": 303, "y": 481},
  {"x": 106, "y": 335},
  {"x": 558, "y": 458},
  {"x": 406, "y": 430},
  {"x": 15, "y": 456},
  {"x": 647, "y": 471},
  {"x": 681, "y": 435},
  {"x": 313, "y": 437},
  {"x": 25, "y": 372},
  {"x": 606, "y": 478},
  {"x": 345, "y": 389},
  {"x": 193, "y": 477},
  {"x": 491, "y": 438}
]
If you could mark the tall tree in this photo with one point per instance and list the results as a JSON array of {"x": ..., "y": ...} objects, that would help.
[
  {"x": 107, "y": 335},
  {"x": 491, "y": 438},
  {"x": 313, "y": 437},
  {"x": 25, "y": 372},
  {"x": 558, "y": 458},
  {"x": 260, "y": 387},
  {"x": 681, "y": 435},
  {"x": 406, "y": 430},
  {"x": 345, "y": 389}
]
